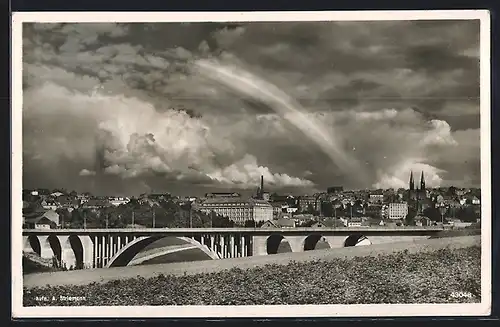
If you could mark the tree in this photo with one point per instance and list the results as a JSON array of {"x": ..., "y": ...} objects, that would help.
[
  {"x": 452, "y": 191},
  {"x": 432, "y": 213},
  {"x": 220, "y": 221},
  {"x": 327, "y": 209},
  {"x": 64, "y": 216},
  {"x": 76, "y": 220},
  {"x": 410, "y": 217},
  {"x": 467, "y": 214},
  {"x": 250, "y": 223}
]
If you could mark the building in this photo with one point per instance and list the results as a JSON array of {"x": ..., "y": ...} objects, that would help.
[
  {"x": 307, "y": 202},
  {"x": 356, "y": 222},
  {"x": 96, "y": 204},
  {"x": 237, "y": 209},
  {"x": 328, "y": 223},
  {"x": 117, "y": 201},
  {"x": 261, "y": 194},
  {"x": 47, "y": 219},
  {"x": 285, "y": 222},
  {"x": 278, "y": 209},
  {"x": 223, "y": 195},
  {"x": 49, "y": 204},
  {"x": 269, "y": 224},
  {"x": 65, "y": 201},
  {"x": 397, "y": 210},
  {"x": 416, "y": 196},
  {"x": 376, "y": 198},
  {"x": 374, "y": 210},
  {"x": 335, "y": 189},
  {"x": 422, "y": 221}
]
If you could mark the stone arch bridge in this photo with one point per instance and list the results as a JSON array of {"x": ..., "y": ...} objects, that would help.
[{"x": 101, "y": 248}]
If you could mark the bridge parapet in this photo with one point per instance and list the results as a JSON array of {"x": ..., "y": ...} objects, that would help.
[
  {"x": 250, "y": 230},
  {"x": 97, "y": 248}
]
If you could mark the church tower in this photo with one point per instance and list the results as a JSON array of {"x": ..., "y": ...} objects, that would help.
[
  {"x": 412, "y": 183},
  {"x": 411, "y": 188},
  {"x": 422, "y": 183}
]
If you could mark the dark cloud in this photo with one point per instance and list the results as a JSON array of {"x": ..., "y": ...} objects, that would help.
[{"x": 386, "y": 96}]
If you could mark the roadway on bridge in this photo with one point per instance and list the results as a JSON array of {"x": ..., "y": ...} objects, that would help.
[{"x": 83, "y": 277}]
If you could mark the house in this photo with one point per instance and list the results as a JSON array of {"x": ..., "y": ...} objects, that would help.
[
  {"x": 422, "y": 221},
  {"x": 278, "y": 208},
  {"x": 451, "y": 202},
  {"x": 328, "y": 223},
  {"x": 96, "y": 203},
  {"x": 48, "y": 219},
  {"x": 376, "y": 198},
  {"x": 472, "y": 199},
  {"x": 65, "y": 201},
  {"x": 116, "y": 201},
  {"x": 303, "y": 217},
  {"x": 49, "y": 204},
  {"x": 357, "y": 222},
  {"x": 426, "y": 203},
  {"x": 285, "y": 222},
  {"x": 269, "y": 224},
  {"x": 318, "y": 225}
]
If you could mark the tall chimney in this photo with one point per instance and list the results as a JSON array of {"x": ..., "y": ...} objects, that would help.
[{"x": 261, "y": 185}]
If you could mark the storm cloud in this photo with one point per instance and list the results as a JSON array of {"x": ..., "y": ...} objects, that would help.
[{"x": 133, "y": 107}]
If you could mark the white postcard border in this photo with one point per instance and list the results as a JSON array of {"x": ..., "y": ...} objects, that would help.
[{"x": 375, "y": 310}]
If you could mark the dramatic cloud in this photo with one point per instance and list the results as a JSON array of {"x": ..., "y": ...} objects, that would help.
[{"x": 188, "y": 108}]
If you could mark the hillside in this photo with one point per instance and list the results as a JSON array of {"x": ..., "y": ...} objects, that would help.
[{"x": 423, "y": 274}]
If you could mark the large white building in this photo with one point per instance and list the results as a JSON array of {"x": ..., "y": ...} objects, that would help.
[
  {"x": 397, "y": 210},
  {"x": 238, "y": 210}
]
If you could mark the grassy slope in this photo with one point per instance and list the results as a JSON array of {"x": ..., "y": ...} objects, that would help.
[
  {"x": 402, "y": 277},
  {"x": 83, "y": 277}
]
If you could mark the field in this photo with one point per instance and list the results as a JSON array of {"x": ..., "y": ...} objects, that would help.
[{"x": 401, "y": 277}]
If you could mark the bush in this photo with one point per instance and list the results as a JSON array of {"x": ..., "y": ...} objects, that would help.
[{"x": 398, "y": 278}]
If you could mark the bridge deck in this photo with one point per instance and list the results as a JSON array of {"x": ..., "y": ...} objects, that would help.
[{"x": 297, "y": 230}]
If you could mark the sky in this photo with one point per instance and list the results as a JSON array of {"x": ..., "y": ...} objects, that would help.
[{"x": 190, "y": 108}]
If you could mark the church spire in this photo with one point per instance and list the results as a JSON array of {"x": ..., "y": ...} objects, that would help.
[
  {"x": 412, "y": 183},
  {"x": 422, "y": 182}
]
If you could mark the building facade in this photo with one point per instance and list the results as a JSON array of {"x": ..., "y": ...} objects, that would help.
[
  {"x": 238, "y": 210},
  {"x": 308, "y": 201},
  {"x": 397, "y": 210}
]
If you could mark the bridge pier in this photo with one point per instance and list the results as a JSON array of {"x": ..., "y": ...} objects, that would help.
[
  {"x": 46, "y": 250},
  {"x": 243, "y": 246},
  {"x": 88, "y": 246},
  {"x": 27, "y": 245},
  {"x": 336, "y": 241},
  {"x": 296, "y": 243},
  {"x": 68, "y": 257},
  {"x": 259, "y": 246},
  {"x": 232, "y": 246}
]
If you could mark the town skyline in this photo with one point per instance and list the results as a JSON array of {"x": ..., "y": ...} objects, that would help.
[{"x": 207, "y": 107}]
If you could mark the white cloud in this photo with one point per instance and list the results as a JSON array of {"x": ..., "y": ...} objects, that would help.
[
  {"x": 139, "y": 141},
  {"x": 86, "y": 172}
]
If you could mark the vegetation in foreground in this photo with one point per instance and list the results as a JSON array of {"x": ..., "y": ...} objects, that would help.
[{"x": 432, "y": 277}]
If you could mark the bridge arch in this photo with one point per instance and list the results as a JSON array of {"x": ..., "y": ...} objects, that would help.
[
  {"x": 32, "y": 244},
  {"x": 273, "y": 243},
  {"x": 357, "y": 239},
  {"x": 130, "y": 250},
  {"x": 311, "y": 241}
]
